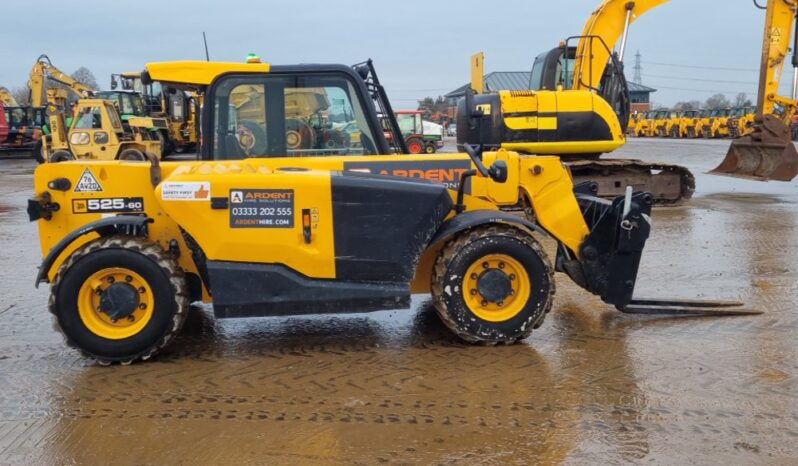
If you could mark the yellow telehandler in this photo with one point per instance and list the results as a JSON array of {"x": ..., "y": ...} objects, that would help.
[{"x": 258, "y": 228}]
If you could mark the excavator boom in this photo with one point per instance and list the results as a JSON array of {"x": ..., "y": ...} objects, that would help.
[
  {"x": 7, "y": 99},
  {"x": 610, "y": 22}
]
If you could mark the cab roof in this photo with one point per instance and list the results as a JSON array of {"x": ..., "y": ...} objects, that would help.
[{"x": 197, "y": 72}]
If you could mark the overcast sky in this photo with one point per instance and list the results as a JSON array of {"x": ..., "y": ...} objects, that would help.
[{"x": 419, "y": 47}]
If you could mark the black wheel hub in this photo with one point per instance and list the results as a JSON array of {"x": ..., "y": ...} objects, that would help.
[
  {"x": 494, "y": 285},
  {"x": 119, "y": 300}
]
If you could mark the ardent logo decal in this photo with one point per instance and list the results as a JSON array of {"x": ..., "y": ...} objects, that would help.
[{"x": 446, "y": 172}]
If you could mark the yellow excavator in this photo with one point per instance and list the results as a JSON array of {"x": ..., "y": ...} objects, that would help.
[
  {"x": 578, "y": 107},
  {"x": 96, "y": 131},
  {"x": 767, "y": 152}
]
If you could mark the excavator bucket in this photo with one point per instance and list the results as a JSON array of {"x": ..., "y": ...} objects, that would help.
[{"x": 766, "y": 154}]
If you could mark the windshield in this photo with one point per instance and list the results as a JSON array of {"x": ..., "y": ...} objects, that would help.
[{"x": 297, "y": 115}]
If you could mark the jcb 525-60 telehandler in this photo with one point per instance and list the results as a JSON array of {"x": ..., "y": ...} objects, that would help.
[{"x": 260, "y": 229}]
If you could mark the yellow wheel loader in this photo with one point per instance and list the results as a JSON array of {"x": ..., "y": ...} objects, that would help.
[
  {"x": 688, "y": 123},
  {"x": 96, "y": 131},
  {"x": 672, "y": 126},
  {"x": 275, "y": 231},
  {"x": 717, "y": 126}
]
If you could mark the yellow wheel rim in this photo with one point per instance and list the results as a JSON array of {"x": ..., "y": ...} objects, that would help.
[
  {"x": 99, "y": 321},
  {"x": 509, "y": 306}
]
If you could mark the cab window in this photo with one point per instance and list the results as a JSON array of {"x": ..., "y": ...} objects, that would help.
[
  {"x": 277, "y": 116},
  {"x": 89, "y": 118}
]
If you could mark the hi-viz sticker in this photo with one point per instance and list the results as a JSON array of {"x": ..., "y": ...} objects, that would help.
[
  {"x": 261, "y": 208},
  {"x": 88, "y": 183}
]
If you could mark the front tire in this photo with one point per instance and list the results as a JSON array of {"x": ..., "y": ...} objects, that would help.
[
  {"x": 61, "y": 156},
  {"x": 119, "y": 299},
  {"x": 492, "y": 284},
  {"x": 131, "y": 154}
]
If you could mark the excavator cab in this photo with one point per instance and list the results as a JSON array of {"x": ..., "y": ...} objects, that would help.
[{"x": 554, "y": 69}]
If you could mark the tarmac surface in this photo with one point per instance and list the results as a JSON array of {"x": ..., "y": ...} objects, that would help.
[{"x": 591, "y": 386}]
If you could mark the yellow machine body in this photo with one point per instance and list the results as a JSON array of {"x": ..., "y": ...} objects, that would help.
[
  {"x": 540, "y": 121},
  {"x": 544, "y": 181}
]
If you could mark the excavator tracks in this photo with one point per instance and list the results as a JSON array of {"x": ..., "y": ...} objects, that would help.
[{"x": 669, "y": 184}]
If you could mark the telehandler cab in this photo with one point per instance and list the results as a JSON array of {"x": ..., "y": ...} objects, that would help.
[{"x": 259, "y": 229}]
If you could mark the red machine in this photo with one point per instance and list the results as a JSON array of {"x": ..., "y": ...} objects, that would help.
[{"x": 3, "y": 123}]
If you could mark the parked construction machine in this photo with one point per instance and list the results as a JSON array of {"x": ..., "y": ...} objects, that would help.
[
  {"x": 96, "y": 131},
  {"x": 688, "y": 123},
  {"x": 26, "y": 124},
  {"x": 578, "y": 107},
  {"x": 420, "y": 136},
  {"x": 179, "y": 108},
  {"x": 3, "y": 123},
  {"x": 256, "y": 228},
  {"x": 767, "y": 152}
]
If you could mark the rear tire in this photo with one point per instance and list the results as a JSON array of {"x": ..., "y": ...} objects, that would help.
[
  {"x": 415, "y": 145},
  {"x": 78, "y": 299},
  {"x": 480, "y": 308},
  {"x": 132, "y": 155}
]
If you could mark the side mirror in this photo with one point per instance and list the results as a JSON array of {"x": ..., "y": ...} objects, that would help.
[
  {"x": 498, "y": 171},
  {"x": 114, "y": 83}
]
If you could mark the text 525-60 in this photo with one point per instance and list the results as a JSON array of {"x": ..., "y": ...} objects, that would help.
[
  {"x": 262, "y": 211},
  {"x": 113, "y": 204}
]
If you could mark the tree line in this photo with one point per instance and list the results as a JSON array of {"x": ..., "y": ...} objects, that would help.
[{"x": 716, "y": 101}]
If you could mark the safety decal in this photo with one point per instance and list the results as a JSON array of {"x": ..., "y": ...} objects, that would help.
[
  {"x": 108, "y": 205},
  {"x": 261, "y": 208},
  {"x": 88, "y": 183},
  {"x": 186, "y": 191}
]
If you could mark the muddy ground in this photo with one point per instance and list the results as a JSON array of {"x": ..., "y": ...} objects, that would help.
[{"x": 592, "y": 386}]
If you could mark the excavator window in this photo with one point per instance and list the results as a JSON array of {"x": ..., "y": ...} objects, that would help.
[{"x": 295, "y": 115}]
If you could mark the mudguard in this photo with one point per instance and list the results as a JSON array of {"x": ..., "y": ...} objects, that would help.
[
  {"x": 474, "y": 218},
  {"x": 120, "y": 224}
]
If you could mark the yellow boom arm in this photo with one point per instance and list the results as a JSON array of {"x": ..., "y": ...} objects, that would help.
[
  {"x": 610, "y": 22},
  {"x": 42, "y": 71},
  {"x": 779, "y": 23},
  {"x": 7, "y": 98}
]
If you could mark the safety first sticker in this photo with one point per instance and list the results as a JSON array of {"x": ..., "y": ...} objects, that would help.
[
  {"x": 261, "y": 208},
  {"x": 186, "y": 191}
]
